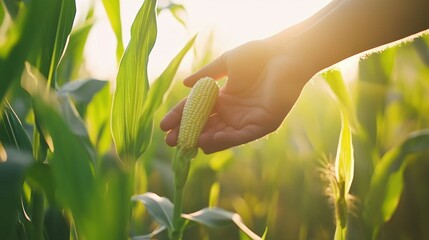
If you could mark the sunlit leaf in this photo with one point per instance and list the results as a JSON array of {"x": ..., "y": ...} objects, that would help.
[
  {"x": 97, "y": 120},
  {"x": 25, "y": 38},
  {"x": 336, "y": 83},
  {"x": 217, "y": 217},
  {"x": 114, "y": 13},
  {"x": 131, "y": 129},
  {"x": 158, "y": 90},
  {"x": 177, "y": 10},
  {"x": 387, "y": 181},
  {"x": 344, "y": 161},
  {"x": 70, "y": 64},
  {"x": 160, "y": 208}
]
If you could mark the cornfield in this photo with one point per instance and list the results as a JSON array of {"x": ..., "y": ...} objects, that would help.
[{"x": 84, "y": 158}]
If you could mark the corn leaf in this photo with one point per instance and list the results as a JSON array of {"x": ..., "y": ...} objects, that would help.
[
  {"x": 2, "y": 13},
  {"x": 217, "y": 217},
  {"x": 12, "y": 132},
  {"x": 70, "y": 64},
  {"x": 82, "y": 91},
  {"x": 64, "y": 23},
  {"x": 11, "y": 179},
  {"x": 337, "y": 85},
  {"x": 387, "y": 181},
  {"x": 160, "y": 208},
  {"x": 344, "y": 161},
  {"x": 159, "y": 88},
  {"x": 131, "y": 129},
  {"x": 97, "y": 120},
  {"x": 177, "y": 10},
  {"x": 24, "y": 38},
  {"x": 113, "y": 11}
]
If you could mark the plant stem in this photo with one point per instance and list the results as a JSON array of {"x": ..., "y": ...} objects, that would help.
[
  {"x": 37, "y": 206},
  {"x": 181, "y": 165},
  {"x": 178, "y": 206}
]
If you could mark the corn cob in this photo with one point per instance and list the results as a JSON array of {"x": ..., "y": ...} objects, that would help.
[{"x": 197, "y": 110}]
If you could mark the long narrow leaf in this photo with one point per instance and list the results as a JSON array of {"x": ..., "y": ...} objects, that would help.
[
  {"x": 344, "y": 161},
  {"x": 12, "y": 131},
  {"x": 159, "y": 88},
  {"x": 131, "y": 129},
  {"x": 114, "y": 13},
  {"x": 65, "y": 23},
  {"x": 387, "y": 181}
]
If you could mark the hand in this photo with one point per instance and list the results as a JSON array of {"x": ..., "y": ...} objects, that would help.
[{"x": 262, "y": 87}]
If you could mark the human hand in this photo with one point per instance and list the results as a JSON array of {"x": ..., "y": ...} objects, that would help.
[{"x": 262, "y": 87}]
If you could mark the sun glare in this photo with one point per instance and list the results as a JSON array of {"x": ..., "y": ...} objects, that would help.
[{"x": 232, "y": 22}]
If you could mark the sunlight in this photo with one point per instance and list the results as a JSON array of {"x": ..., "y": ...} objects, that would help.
[{"x": 232, "y": 22}]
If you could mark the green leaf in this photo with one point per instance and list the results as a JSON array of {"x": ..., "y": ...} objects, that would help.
[
  {"x": 97, "y": 120},
  {"x": 113, "y": 11},
  {"x": 131, "y": 129},
  {"x": 64, "y": 23},
  {"x": 217, "y": 217},
  {"x": 71, "y": 160},
  {"x": 71, "y": 62},
  {"x": 24, "y": 38},
  {"x": 177, "y": 10},
  {"x": 158, "y": 90},
  {"x": 82, "y": 91},
  {"x": 12, "y": 132},
  {"x": 387, "y": 181},
  {"x": 337, "y": 85},
  {"x": 2, "y": 13},
  {"x": 56, "y": 224},
  {"x": 150, "y": 235},
  {"x": 12, "y": 7},
  {"x": 160, "y": 208},
  {"x": 39, "y": 175},
  {"x": 11, "y": 179},
  {"x": 344, "y": 161}
]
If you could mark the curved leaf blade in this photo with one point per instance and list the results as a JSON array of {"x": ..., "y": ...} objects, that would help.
[
  {"x": 131, "y": 129},
  {"x": 387, "y": 181},
  {"x": 160, "y": 208},
  {"x": 217, "y": 217}
]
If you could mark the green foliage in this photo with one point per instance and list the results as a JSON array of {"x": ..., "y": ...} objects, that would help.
[
  {"x": 113, "y": 11},
  {"x": 60, "y": 177},
  {"x": 131, "y": 129}
]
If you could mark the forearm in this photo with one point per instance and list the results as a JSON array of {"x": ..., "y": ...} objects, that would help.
[{"x": 345, "y": 28}]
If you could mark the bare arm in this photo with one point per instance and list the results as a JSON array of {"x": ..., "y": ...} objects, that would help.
[
  {"x": 266, "y": 77},
  {"x": 345, "y": 28}
]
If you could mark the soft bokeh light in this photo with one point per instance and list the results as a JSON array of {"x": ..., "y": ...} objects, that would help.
[{"x": 232, "y": 21}]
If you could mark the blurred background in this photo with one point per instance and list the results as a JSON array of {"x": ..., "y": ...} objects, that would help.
[{"x": 279, "y": 184}]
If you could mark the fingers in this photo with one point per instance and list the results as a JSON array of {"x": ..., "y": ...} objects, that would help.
[
  {"x": 172, "y": 119},
  {"x": 216, "y": 69}
]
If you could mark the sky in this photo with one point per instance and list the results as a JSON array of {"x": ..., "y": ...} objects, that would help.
[{"x": 232, "y": 23}]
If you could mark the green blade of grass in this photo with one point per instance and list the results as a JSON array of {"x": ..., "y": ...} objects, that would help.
[
  {"x": 131, "y": 129},
  {"x": 113, "y": 11},
  {"x": 387, "y": 181}
]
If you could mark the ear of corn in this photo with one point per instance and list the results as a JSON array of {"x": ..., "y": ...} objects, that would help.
[{"x": 197, "y": 110}]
